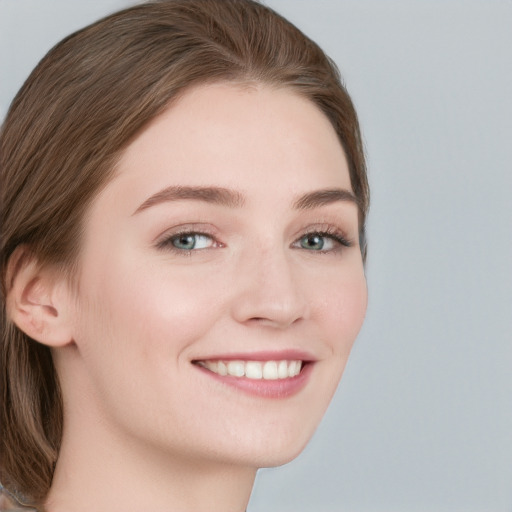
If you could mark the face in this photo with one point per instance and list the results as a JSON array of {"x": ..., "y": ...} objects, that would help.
[{"x": 221, "y": 280}]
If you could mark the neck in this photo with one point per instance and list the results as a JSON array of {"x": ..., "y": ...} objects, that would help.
[{"x": 99, "y": 469}]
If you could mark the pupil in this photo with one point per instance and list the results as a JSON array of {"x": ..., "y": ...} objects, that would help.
[
  {"x": 314, "y": 242},
  {"x": 185, "y": 242}
]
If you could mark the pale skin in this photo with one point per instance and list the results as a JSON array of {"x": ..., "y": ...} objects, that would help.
[{"x": 212, "y": 242}]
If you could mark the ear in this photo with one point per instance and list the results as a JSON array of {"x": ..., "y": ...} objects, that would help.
[{"x": 38, "y": 300}]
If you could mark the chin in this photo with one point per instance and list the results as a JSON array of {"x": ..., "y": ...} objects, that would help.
[
  {"x": 281, "y": 457},
  {"x": 278, "y": 449}
]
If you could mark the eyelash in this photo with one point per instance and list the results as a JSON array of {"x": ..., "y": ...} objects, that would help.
[
  {"x": 328, "y": 232},
  {"x": 167, "y": 242},
  {"x": 331, "y": 233}
]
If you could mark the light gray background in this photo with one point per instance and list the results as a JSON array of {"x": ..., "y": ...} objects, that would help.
[{"x": 423, "y": 418}]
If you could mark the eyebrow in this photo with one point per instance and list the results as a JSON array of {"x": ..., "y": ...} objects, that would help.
[
  {"x": 214, "y": 195},
  {"x": 233, "y": 199},
  {"x": 324, "y": 197}
]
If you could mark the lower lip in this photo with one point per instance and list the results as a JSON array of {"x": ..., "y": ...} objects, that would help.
[{"x": 278, "y": 388}]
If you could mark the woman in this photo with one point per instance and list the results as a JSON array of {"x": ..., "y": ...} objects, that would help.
[{"x": 183, "y": 205}]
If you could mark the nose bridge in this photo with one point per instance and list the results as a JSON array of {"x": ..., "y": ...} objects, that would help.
[{"x": 268, "y": 290}]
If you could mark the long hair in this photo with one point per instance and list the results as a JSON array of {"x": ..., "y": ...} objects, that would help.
[{"x": 87, "y": 99}]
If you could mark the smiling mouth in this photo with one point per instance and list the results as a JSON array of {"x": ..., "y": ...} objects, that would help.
[{"x": 256, "y": 370}]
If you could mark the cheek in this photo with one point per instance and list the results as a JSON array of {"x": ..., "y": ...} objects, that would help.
[
  {"x": 342, "y": 312},
  {"x": 149, "y": 309},
  {"x": 136, "y": 323}
]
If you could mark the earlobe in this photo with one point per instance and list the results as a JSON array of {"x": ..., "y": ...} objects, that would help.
[{"x": 37, "y": 300}]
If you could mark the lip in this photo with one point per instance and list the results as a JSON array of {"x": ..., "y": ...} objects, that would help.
[
  {"x": 281, "y": 355},
  {"x": 270, "y": 389}
]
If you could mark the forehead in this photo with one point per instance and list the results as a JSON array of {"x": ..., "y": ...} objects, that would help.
[{"x": 237, "y": 136}]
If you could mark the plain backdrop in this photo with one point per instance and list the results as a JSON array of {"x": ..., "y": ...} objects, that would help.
[{"x": 423, "y": 418}]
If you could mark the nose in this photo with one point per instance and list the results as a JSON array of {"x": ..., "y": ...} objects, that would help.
[{"x": 268, "y": 291}]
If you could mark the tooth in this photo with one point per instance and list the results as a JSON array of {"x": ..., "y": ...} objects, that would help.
[
  {"x": 236, "y": 368},
  {"x": 211, "y": 365},
  {"x": 253, "y": 370},
  {"x": 222, "y": 368},
  {"x": 282, "y": 369},
  {"x": 294, "y": 368},
  {"x": 270, "y": 370}
]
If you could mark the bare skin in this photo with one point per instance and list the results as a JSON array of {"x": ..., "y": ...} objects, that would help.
[{"x": 228, "y": 238}]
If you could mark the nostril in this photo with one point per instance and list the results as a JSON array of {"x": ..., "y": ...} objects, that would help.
[
  {"x": 257, "y": 320},
  {"x": 272, "y": 321}
]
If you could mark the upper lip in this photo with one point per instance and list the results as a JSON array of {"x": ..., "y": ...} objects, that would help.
[{"x": 281, "y": 355}]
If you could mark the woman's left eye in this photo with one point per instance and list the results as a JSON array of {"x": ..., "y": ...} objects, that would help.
[
  {"x": 321, "y": 242},
  {"x": 188, "y": 242}
]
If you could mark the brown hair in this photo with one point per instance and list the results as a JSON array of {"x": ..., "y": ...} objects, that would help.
[{"x": 65, "y": 130}]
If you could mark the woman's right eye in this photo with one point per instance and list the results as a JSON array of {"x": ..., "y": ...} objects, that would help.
[{"x": 187, "y": 242}]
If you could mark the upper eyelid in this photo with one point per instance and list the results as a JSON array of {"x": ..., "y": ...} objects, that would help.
[
  {"x": 166, "y": 242},
  {"x": 326, "y": 228},
  {"x": 206, "y": 229},
  {"x": 337, "y": 239},
  {"x": 184, "y": 229}
]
